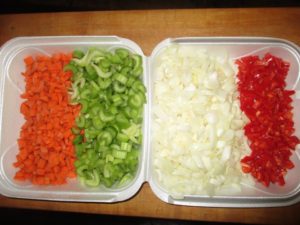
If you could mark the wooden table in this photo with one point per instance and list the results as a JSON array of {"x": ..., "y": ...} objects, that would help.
[{"x": 148, "y": 28}]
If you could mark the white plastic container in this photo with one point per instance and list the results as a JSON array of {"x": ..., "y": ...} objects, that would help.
[
  {"x": 12, "y": 84},
  {"x": 259, "y": 195}
]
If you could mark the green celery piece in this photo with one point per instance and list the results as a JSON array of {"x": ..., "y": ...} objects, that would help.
[
  {"x": 100, "y": 164},
  {"x": 74, "y": 93},
  {"x": 116, "y": 99},
  {"x": 88, "y": 57},
  {"x": 127, "y": 112},
  {"x": 113, "y": 109},
  {"x": 113, "y": 131},
  {"x": 136, "y": 101},
  {"x": 122, "y": 137},
  {"x": 91, "y": 133},
  {"x": 119, "y": 154},
  {"x": 137, "y": 72},
  {"x": 133, "y": 132},
  {"x": 122, "y": 53},
  {"x": 85, "y": 94},
  {"x": 95, "y": 86},
  {"x": 104, "y": 83},
  {"x": 125, "y": 146},
  {"x": 70, "y": 67},
  {"x": 108, "y": 182},
  {"x": 139, "y": 86},
  {"x": 118, "y": 87},
  {"x": 77, "y": 163},
  {"x": 91, "y": 73},
  {"x": 80, "y": 82},
  {"x": 75, "y": 130},
  {"x": 116, "y": 59},
  {"x": 117, "y": 161},
  {"x": 125, "y": 179},
  {"x": 101, "y": 148},
  {"x": 100, "y": 72},
  {"x": 77, "y": 54},
  {"x": 114, "y": 147},
  {"x": 80, "y": 170},
  {"x": 78, "y": 139},
  {"x": 125, "y": 70},
  {"x": 105, "y": 138},
  {"x": 95, "y": 109},
  {"x": 121, "y": 78},
  {"x": 107, "y": 170},
  {"x": 104, "y": 63},
  {"x": 106, "y": 116},
  {"x": 137, "y": 69},
  {"x": 130, "y": 81},
  {"x": 84, "y": 105},
  {"x": 79, "y": 149},
  {"x": 121, "y": 121},
  {"x": 98, "y": 123},
  {"x": 129, "y": 62},
  {"x": 80, "y": 121},
  {"x": 93, "y": 180}
]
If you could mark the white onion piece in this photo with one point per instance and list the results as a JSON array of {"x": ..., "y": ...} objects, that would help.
[{"x": 198, "y": 138}]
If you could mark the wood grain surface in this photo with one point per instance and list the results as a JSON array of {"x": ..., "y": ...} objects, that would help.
[{"x": 147, "y": 28}]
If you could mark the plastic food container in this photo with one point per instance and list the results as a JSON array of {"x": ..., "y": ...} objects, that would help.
[{"x": 12, "y": 84}]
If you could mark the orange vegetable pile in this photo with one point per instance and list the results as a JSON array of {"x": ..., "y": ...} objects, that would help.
[{"x": 47, "y": 153}]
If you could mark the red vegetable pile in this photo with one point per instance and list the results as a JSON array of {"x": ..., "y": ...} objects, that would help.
[{"x": 267, "y": 104}]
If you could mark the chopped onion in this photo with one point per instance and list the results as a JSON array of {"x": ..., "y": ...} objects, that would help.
[{"x": 197, "y": 124}]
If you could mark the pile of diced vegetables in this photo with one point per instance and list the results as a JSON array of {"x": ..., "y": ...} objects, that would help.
[
  {"x": 216, "y": 124},
  {"x": 208, "y": 116},
  {"x": 101, "y": 142}
]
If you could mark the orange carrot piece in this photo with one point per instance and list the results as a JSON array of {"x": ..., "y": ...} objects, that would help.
[{"x": 28, "y": 61}]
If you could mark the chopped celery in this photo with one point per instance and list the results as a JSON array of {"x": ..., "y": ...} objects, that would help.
[
  {"x": 78, "y": 139},
  {"x": 77, "y": 54},
  {"x": 89, "y": 57},
  {"x": 100, "y": 72},
  {"x": 119, "y": 87},
  {"x": 75, "y": 130},
  {"x": 93, "y": 180},
  {"x": 122, "y": 53},
  {"x": 84, "y": 105},
  {"x": 71, "y": 68},
  {"x": 125, "y": 146},
  {"x": 97, "y": 123},
  {"x": 104, "y": 63},
  {"x": 108, "y": 131},
  {"x": 119, "y": 154},
  {"x": 80, "y": 121}
]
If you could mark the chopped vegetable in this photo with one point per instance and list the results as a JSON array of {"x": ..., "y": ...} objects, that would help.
[
  {"x": 46, "y": 153},
  {"x": 109, "y": 89},
  {"x": 268, "y": 106},
  {"x": 197, "y": 132}
]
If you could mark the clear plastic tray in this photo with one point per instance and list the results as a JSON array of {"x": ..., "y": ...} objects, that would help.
[{"x": 11, "y": 62}]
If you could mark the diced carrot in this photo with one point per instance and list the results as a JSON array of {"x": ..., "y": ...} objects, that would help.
[
  {"x": 40, "y": 172},
  {"x": 41, "y": 163},
  {"x": 28, "y": 61},
  {"x": 45, "y": 149}
]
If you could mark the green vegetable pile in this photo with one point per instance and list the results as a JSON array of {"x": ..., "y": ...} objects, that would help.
[{"x": 108, "y": 86}]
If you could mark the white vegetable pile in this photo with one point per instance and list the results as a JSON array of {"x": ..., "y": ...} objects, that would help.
[{"x": 198, "y": 137}]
